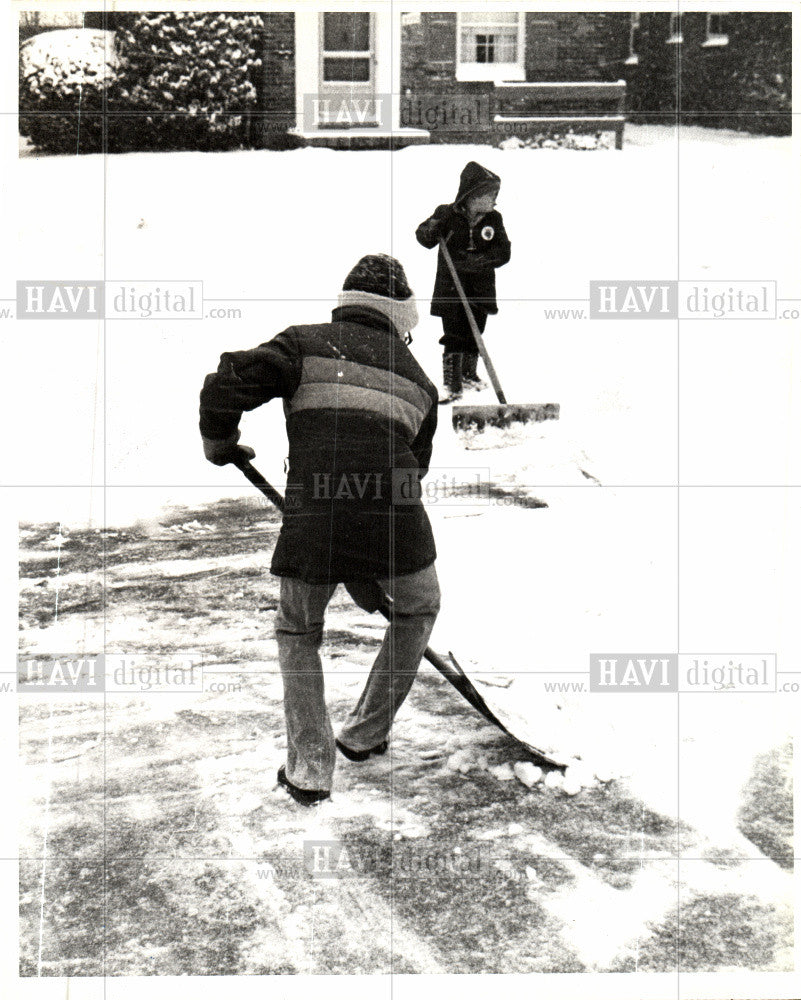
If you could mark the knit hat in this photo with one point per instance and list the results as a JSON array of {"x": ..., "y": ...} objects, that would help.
[
  {"x": 380, "y": 274},
  {"x": 378, "y": 282}
]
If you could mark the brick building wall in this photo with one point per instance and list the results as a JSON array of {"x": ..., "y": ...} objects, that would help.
[
  {"x": 429, "y": 88},
  {"x": 557, "y": 47},
  {"x": 575, "y": 46},
  {"x": 428, "y": 56},
  {"x": 277, "y": 85},
  {"x": 745, "y": 84}
]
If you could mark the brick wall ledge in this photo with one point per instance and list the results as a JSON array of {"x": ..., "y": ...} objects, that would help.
[
  {"x": 592, "y": 84},
  {"x": 376, "y": 137}
]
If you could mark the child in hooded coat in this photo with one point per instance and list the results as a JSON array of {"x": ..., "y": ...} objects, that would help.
[{"x": 477, "y": 242}]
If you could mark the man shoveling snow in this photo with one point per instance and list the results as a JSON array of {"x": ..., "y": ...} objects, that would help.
[{"x": 360, "y": 418}]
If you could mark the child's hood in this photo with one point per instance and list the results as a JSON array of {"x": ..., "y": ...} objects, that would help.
[{"x": 473, "y": 179}]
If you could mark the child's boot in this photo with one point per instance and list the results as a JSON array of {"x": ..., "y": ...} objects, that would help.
[
  {"x": 452, "y": 376},
  {"x": 470, "y": 374}
]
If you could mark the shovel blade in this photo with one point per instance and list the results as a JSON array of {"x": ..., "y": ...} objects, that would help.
[
  {"x": 477, "y": 417},
  {"x": 467, "y": 690}
]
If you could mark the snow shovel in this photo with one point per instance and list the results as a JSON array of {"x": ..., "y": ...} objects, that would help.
[
  {"x": 450, "y": 669},
  {"x": 479, "y": 416}
]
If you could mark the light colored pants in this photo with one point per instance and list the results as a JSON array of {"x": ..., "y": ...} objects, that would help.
[{"x": 299, "y": 630}]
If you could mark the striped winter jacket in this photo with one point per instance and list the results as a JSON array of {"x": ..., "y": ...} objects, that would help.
[{"x": 360, "y": 418}]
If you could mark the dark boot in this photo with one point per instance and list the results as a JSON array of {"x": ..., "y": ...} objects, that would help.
[
  {"x": 362, "y": 755},
  {"x": 305, "y": 796},
  {"x": 470, "y": 374},
  {"x": 452, "y": 376}
]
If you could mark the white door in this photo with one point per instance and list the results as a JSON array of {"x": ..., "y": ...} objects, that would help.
[{"x": 347, "y": 91}]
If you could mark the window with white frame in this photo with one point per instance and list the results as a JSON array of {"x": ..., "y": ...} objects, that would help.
[
  {"x": 716, "y": 35},
  {"x": 675, "y": 37},
  {"x": 634, "y": 29},
  {"x": 489, "y": 46}
]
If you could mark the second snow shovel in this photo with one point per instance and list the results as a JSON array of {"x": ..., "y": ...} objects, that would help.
[
  {"x": 450, "y": 669},
  {"x": 479, "y": 416}
]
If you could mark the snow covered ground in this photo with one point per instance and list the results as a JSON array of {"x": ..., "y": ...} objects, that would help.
[
  {"x": 640, "y": 408},
  {"x": 619, "y": 559},
  {"x": 179, "y": 788},
  {"x": 284, "y": 229}
]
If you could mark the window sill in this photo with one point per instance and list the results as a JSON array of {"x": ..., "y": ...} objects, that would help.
[
  {"x": 632, "y": 61},
  {"x": 675, "y": 40},
  {"x": 715, "y": 42},
  {"x": 490, "y": 73}
]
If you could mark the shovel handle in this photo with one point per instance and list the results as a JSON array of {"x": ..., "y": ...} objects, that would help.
[
  {"x": 471, "y": 319},
  {"x": 252, "y": 473}
]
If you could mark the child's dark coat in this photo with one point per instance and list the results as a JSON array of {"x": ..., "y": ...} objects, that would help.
[{"x": 476, "y": 251}]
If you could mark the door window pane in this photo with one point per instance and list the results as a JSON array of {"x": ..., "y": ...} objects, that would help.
[
  {"x": 346, "y": 32},
  {"x": 346, "y": 70}
]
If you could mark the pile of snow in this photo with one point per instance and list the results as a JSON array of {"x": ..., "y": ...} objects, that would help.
[
  {"x": 62, "y": 62},
  {"x": 577, "y": 775},
  {"x": 527, "y": 773},
  {"x": 570, "y": 140},
  {"x": 190, "y": 528},
  {"x": 535, "y": 454}
]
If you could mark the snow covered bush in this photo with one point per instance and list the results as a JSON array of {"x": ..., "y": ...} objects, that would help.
[
  {"x": 190, "y": 75},
  {"x": 63, "y": 78},
  {"x": 557, "y": 140},
  {"x": 159, "y": 81}
]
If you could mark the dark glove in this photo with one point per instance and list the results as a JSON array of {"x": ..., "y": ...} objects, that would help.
[
  {"x": 430, "y": 231},
  {"x": 226, "y": 451},
  {"x": 440, "y": 228},
  {"x": 445, "y": 226}
]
